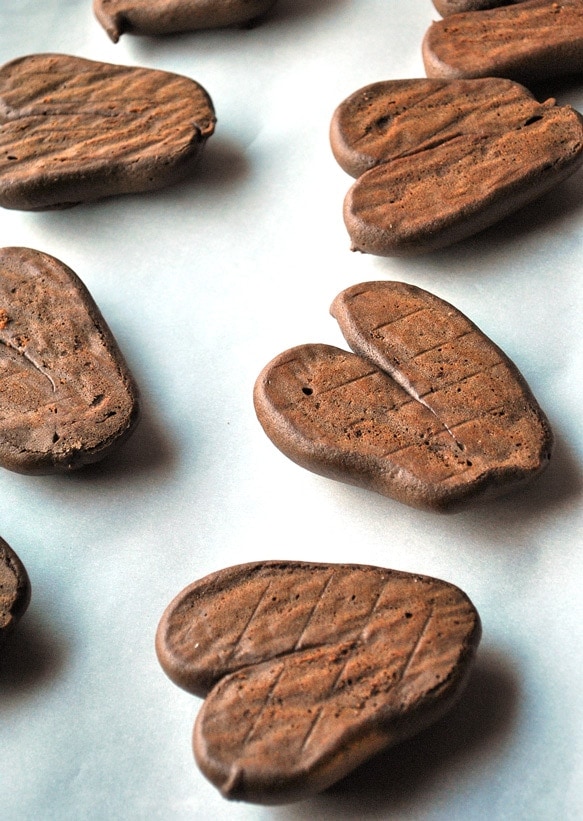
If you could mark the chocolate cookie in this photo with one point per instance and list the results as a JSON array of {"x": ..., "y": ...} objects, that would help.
[
  {"x": 67, "y": 396},
  {"x": 74, "y": 130},
  {"x": 428, "y": 410},
  {"x": 445, "y": 7},
  {"x": 170, "y": 16},
  {"x": 438, "y": 160},
  {"x": 310, "y": 669},
  {"x": 527, "y": 41},
  {"x": 14, "y": 589}
]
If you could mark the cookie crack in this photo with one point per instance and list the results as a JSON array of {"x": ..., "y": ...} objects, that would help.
[
  {"x": 409, "y": 389},
  {"x": 32, "y": 361}
]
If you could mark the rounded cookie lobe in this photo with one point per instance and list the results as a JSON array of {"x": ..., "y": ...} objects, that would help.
[
  {"x": 526, "y": 41},
  {"x": 445, "y": 362},
  {"x": 438, "y": 161},
  {"x": 14, "y": 590},
  {"x": 171, "y": 16},
  {"x": 335, "y": 414},
  {"x": 74, "y": 130},
  {"x": 313, "y": 668},
  {"x": 427, "y": 411},
  {"x": 67, "y": 397},
  {"x": 391, "y": 119}
]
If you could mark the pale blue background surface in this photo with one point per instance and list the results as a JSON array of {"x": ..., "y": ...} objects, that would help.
[{"x": 202, "y": 284}]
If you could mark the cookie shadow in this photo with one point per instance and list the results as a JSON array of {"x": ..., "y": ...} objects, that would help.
[
  {"x": 30, "y": 656},
  {"x": 286, "y": 10},
  {"x": 567, "y": 90},
  {"x": 543, "y": 213},
  {"x": 223, "y": 165},
  {"x": 559, "y": 486},
  {"x": 537, "y": 219},
  {"x": 146, "y": 48},
  {"x": 149, "y": 451},
  {"x": 498, "y": 519},
  {"x": 478, "y": 727}
]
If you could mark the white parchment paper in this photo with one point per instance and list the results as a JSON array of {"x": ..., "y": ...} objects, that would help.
[{"x": 202, "y": 284}]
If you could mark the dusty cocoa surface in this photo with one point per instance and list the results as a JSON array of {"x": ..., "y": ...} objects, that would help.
[
  {"x": 438, "y": 161},
  {"x": 170, "y": 16},
  {"x": 14, "y": 590},
  {"x": 74, "y": 130},
  {"x": 527, "y": 41},
  {"x": 67, "y": 395},
  {"x": 309, "y": 669},
  {"x": 428, "y": 410}
]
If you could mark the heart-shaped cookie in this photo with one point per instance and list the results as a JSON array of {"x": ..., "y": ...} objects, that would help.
[
  {"x": 14, "y": 590},
  {"x": 73, "y": 130},
  {"x": 428, "y": 410},
  {"x": 525, "y": 41},
  {"x": 309, "y": 669},
  {"x": 171, "y": 16},
  {"x": 67, "y": 395},
  {"x": 438, "y": 160}
]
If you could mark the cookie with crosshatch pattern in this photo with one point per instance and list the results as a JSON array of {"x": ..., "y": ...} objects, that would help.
[
  {"x": 309, "y": 669},
  {"x": 427, "y": 410}
]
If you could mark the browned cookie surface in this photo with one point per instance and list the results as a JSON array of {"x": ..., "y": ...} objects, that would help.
[
  {"x": 14, "y": 589},
  {"x": 170, "y": 16},
  {"x": 527, "y": 41},
  {"x": 445, "y": 7},
  {"x": 73, "y": 130},
  {"x": 312, "y": 668},
  {"x": 428, "y": 410},
  {"x": 67, "y": 396},
  {"x": 439, "y": 160}
]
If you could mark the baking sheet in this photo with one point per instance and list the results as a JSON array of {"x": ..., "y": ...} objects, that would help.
[{"x": 202, "y": 284}]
